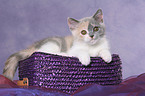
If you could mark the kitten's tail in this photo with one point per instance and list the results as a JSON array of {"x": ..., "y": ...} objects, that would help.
[{"x": 12, "y": 62}]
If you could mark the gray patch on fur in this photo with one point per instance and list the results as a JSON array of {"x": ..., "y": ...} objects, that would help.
[
  {"x": 44, "y": 41},
  {"x": 17, "y": 56},
  {"x": 63, "y": 45},
  {"x": 4, "y": 70},
  {"x": 90, "y": 29},
  {"x": 57, "y": 40},
  {"x": 91, "y": 21},
  {"x": 92, "y": 24}
]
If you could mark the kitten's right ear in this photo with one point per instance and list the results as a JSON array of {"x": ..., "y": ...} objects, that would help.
[
  {"x": 72, "y": 23},
  {"x": 98, "y": 16}
]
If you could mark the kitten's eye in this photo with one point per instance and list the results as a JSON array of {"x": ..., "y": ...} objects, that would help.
[
  {"x": 96, "y": 28},
  {"x": 83, "y": 32}
]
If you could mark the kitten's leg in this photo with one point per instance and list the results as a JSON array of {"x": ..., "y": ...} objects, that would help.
[
  {"x": 105, "y": 55},
  {"x": 83, "y": 56}
]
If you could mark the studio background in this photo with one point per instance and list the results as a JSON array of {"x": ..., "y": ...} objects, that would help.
[{"x": 22, "y": 22}]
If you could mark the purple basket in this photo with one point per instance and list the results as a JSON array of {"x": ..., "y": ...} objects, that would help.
[{"x": 67, "y": 73}]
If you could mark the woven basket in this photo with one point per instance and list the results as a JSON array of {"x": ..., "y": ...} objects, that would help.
[{"x": 67, "y": 73}]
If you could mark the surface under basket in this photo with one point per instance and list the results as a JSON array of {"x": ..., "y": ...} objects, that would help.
[{"x": 67, "y": 73}]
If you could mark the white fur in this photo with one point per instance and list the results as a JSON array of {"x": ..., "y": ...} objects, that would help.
[
  {"x": 50, "y": 47},
  {"x": 81, "y": 50},
  {"x": 84, "y": 51}
]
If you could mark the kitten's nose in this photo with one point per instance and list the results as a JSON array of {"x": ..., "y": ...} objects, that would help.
[{"x": 91, "y": 36}]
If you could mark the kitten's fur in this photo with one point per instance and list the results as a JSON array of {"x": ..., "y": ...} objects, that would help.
[{"x": 83, "y": 45}]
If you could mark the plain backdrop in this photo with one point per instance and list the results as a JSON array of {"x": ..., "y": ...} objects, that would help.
[{"x": 23, "y": 22}]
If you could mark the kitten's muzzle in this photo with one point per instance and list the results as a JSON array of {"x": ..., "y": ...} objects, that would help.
[{"x": 91, "y": 36}]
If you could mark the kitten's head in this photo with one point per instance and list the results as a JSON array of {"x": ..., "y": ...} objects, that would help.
[{"x": 89, "y": 29}]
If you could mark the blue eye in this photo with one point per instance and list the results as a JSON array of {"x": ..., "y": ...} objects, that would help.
[{"x": 95, "y": 29}]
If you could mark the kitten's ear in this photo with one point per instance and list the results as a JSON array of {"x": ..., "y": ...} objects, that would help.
[
  {"x": 98, "y": 16},
  {"x": 72, "y": 23}
]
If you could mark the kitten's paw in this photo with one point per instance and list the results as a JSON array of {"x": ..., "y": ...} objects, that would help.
[
  {"x": 85, "y": 60},
  {"x": 83, "y": 56},
  {"x": 106, "y": 56}
]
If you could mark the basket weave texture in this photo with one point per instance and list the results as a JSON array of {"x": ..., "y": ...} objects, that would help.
[{"x": 67, "y": 73}]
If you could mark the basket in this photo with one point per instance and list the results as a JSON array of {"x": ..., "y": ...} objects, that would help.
[{"x": 67, "y": 73}]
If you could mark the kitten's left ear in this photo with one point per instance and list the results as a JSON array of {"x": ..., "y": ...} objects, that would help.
[{"x": 98, "y": 16}]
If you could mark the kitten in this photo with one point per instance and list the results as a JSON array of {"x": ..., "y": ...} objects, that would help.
[{"x": 88, "y": 40}]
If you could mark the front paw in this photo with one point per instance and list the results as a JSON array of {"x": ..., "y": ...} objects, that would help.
[
  {"x": 106, "y": 56},
  {"x": 84, "y": 59}
]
